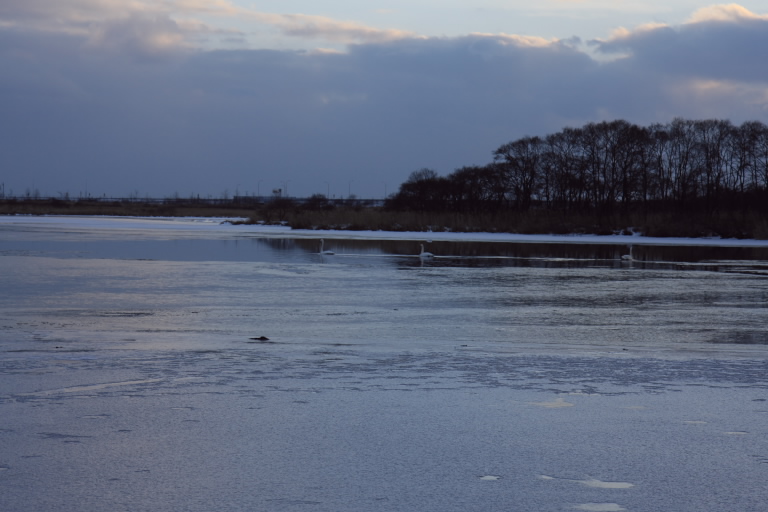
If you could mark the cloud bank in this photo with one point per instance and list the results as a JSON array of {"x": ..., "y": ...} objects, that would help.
[{"x": 117, "y": 100}]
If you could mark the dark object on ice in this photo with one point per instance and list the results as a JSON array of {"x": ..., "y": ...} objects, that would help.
[{"x": 260, "y": 338}]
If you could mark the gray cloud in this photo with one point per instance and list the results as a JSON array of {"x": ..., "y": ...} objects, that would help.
[
  {"x": 321, "y": 27},
  {"x": 151, "y": 26},
  {"x": 138, "y": 35},
  {"x": 722, "y": 43},
  {"x": 74, "y": 112}
]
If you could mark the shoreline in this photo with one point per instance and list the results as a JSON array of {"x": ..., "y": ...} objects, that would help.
[{"x": 226, "y": 225}]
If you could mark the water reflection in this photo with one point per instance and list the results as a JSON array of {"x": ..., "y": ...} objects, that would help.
[
  {"x": 546, "y": 255},
  {"x": 373, "y": 298},
  {"x": 562, "y": 255},
  {"x": 404, "y": 253},
  {"x": 741, "y": 338}
]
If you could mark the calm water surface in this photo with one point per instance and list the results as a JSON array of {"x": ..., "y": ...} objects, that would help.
[{"x": 204, "y": 289}]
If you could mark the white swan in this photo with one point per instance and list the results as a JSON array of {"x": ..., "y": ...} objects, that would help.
[
  {"x": 424, "y": 254},
  {"x": 628, "y": 257},
  {"x": 322, "y": 243}
]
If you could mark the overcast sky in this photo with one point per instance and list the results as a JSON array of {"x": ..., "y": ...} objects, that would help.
[{"x": 163, "y": 97}]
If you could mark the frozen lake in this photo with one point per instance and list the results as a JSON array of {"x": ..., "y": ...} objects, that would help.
[{"x": 505, "y": 373}]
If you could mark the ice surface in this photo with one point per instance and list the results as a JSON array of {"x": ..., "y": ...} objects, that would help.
[{"x": 129, "y": 379}]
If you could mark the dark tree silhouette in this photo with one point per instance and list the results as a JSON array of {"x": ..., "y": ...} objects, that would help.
[{"x": 609, "y": 169}]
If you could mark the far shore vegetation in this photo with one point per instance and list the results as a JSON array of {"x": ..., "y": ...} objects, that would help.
[{"x": 686, "y": 178}]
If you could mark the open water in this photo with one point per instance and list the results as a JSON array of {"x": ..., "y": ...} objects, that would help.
[{"x": 494, "y": 376}]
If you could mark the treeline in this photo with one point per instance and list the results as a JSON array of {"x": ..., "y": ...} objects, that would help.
[{"x": 705, "y": 167}]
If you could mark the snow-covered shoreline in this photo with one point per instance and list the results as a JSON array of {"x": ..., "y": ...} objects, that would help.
[{"x": 221, "y": 225}]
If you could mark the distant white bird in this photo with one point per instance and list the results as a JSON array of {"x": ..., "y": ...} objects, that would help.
[
  {"x": 322, "y": 243},
  {"x": 424, "y": 254},
  {"x": 628, "y": 257}
]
